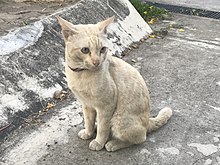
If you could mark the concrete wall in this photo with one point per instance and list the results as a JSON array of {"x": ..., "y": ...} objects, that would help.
[{"x": 32, "y": 57}]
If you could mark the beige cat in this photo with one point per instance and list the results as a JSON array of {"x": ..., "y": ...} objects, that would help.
[{"x": 111, "y": 91}]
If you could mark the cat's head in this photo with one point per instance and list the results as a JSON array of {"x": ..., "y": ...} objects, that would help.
[{"x": 86, "y": 46}]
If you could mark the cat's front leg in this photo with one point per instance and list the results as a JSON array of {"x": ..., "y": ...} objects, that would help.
[
  {"x": 103, "y": 129},
  {"x": 89, "y": 120}
]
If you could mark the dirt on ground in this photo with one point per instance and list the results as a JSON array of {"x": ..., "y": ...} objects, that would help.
[{"x": 16, "y": 14}]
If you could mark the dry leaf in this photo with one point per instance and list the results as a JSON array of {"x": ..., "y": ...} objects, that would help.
[
  {"x": 152, "y": 21},
  {"x": 152, "y": 36},
  {"x": 181, "y": 30},
  {"x": 151, "y": 7},
  {"x": 49, "y": 106}
]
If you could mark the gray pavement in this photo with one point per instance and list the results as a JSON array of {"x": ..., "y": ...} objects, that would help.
[
  {"x": 182, "y": 71},
  {"x": 213, "y": 5}
]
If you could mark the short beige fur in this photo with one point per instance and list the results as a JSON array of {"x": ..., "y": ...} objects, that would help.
[{"x": 111, "y": 91}]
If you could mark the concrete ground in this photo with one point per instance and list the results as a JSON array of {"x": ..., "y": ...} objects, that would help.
[
  {"x": 213, "y": 5},
  {"x": 182, "y": 71},
  {"x": 17, "y": 14}
]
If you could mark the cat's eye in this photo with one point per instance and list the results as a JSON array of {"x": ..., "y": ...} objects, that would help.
[
  {"x": 103, "y": 49},
  {"x": 85, "y": 50}
]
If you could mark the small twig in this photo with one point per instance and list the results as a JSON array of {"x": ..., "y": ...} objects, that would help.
[
  {"x": 4, "y": 127},
  {"x": 22, "y": 12}
]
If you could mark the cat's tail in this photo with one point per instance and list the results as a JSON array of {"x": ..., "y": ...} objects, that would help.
[{"x": 161, "y": 119}]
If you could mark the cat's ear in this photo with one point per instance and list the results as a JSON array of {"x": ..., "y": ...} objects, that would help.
[
  {"x": 104, "y": 24},
  {"x": 67, "y": 28}
]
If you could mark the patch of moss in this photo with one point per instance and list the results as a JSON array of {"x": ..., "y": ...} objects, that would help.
[{"x": 150, "y": 13}]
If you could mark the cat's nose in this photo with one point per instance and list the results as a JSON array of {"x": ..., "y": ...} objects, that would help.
[{"x": 96, "y": 62}]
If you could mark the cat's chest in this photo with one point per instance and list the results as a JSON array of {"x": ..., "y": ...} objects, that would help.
[
  {"x": 87, "y": 87},
  {"x": 91, "y": 88},
  {"x": 83, "y": 88},
  {"x": 91, "y": 93}
]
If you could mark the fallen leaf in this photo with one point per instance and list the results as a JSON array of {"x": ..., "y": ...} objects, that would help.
[
  {"x": 152, "y": 21},
  {"x": 50, "y": 105},
  {"x": 152, "y": 36},
  {"x": 181, "y": 30},
  {"x": 151, "y": 7}
]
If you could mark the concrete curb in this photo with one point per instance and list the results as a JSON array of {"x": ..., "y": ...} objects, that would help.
[{"x": 31, "y": 57}]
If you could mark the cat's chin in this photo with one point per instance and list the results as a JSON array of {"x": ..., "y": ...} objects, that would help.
[{"x": 95, "y": 68}]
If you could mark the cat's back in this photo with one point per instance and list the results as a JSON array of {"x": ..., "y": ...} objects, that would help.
[
  {"x": 132, "y": 92},
  {"x": 126, "y": 75}
]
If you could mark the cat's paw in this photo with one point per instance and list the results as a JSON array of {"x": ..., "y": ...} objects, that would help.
[
  {"x": 83, "y": 135},
  {"x": 114, "y": 145},
  {"x": 111, "y": 146},
  {"x": 94, "y": 145}
]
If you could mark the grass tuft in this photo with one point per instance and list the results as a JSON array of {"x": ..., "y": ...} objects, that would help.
[{"x": 150, "y": 13}]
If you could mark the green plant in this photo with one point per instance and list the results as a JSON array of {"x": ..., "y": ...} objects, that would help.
[{"x": 150, "y": 13}]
